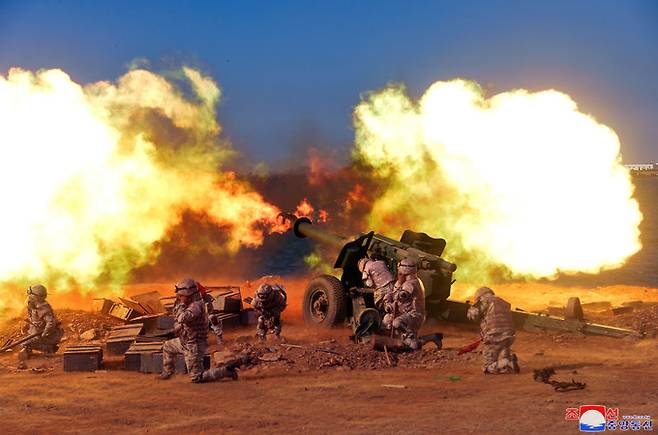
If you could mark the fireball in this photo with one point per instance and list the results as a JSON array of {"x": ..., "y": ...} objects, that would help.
[{"x": 521, "y": 182}]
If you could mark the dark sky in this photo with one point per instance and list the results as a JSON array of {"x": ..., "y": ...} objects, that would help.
[{"x": 291, "y": 71}]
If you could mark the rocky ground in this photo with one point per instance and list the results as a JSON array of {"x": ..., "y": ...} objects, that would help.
[{"x": 317, "y": 381}]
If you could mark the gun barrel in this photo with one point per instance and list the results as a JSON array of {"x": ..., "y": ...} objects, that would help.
[{"x": 303, "y": 228}]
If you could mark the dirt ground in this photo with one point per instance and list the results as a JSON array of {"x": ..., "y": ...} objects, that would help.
[{"x": 450, "y": 395}]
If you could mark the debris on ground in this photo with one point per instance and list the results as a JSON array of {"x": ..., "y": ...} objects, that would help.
[
  {"x": 74, "y": 322},
  {"x": 643, "y": 318},
  {"x": 544, "y": 375},
  {"x": 347, "y": 355},
  {"x": 90, "y": 334}
]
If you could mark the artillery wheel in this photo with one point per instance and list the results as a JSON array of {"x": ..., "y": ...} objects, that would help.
[
  {"x": 574, "y": 311},
  {"x": 325, "y": 302}
]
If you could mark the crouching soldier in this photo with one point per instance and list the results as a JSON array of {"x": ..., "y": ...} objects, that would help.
[
  {"x": 269, "y": 301},
  {"x": 405, "y": 307},
  {"x": 43, "y": 322},
  {"x": 191, "y": 327},
  {"x": 376, "y": 275},
  {"x": 496, "y": 330}
]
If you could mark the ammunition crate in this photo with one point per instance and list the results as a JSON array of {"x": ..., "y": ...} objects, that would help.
[
  {"x": 249, "y": 317},
  {"x": 122, "y": 337},
  {"x": 230, "y": 320},
  {"x": 102, "y": 306},
  {"x": 83, "y": 358},
  {"x": 230, "y": 303},
  {"x": 154, "y": 322},
  {"x": 122, "y": 312},
  {"x": 136, "y": 354}
]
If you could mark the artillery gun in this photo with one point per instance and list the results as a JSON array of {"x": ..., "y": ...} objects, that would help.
[{"x": 330, "y": 301}]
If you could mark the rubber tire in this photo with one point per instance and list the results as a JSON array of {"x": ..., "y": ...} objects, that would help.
[
  {"x": 336, "y": 297},
  {"x": 573, "y": 310}
]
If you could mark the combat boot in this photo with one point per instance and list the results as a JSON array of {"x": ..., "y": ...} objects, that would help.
[
  {"x": 164, "y": 376},
  {"x": 436, "y": 338},
  {"x": 515, "y": 364},
  {"x": 232, "y": 373},
  {"x": 23, "y": 356}
]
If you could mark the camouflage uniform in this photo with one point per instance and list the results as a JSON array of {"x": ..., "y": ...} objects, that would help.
[
  {"x": 497, "y": 331},
  {"x": 269, "y": 301},
  {"x": 376, "y": 275},
  {"x": 191, "y": 327},
  {"x": 43, "y": 321},
  {"x": 216, "y": 324},
  {"x": 406, "y": 306}
]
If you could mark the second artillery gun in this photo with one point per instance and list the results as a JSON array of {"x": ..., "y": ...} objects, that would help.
[{"x": 329, "y": 301}]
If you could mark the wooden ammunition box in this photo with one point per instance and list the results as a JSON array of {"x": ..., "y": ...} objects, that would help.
[
  {"x": 153, "y": 322},
  {"x": 230, "y": 320},
  {"x": 138, "y": 352},
  {"x": 249, "y": 317},
  {"x": 230, "y": 303},
  {"x": 83, "y": 358},
  {"x": 102, "y": 306},
  {"x": 122, "y": 337},
  {"x": 122, "y": 312}
]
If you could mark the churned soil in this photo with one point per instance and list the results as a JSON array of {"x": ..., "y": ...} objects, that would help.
[{"x": 331, "y": 385}]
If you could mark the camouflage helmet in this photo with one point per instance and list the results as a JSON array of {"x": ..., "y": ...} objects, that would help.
[
  {"x": 362, "y": 263},
  {"x": 264, "y": 291},
  {"x": 407, "y": 266},
  {"x": 186, "y": 287},
  {"x": 481, "y": 292},
  {"x": 37, "y": 290}
]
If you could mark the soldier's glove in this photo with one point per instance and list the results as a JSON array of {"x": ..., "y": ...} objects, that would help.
[
  {"x": 473, "y": 313},
  {"x": 403, "y": 296}
]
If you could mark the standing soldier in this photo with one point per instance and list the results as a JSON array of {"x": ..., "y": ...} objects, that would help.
[
  {"x": 376, "y": 275},
  {"x": 43, "y": 322},
  {"x": 191, "y": 327},
  {"x": 496, "y": 330},
  {"x": 406, "y": 307},
  {"x": 269, "y": 301},
  {"x": 216, "y": 324}
]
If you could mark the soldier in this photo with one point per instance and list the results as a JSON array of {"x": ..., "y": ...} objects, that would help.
[
  {"x": 406, "y": 306},
  {"x": 376, "y": 275},
  {"x": 191, "y": 327},
  {"x": 42, "y": 321},
  {"x": 496, "y": 330},
  {"x": 216, "y": 324},
  {"x": 269, "y": 301}
]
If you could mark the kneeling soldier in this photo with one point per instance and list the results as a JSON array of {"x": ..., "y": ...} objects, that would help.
[
  {"x": 43, "y": 322},
  {"x": 191, "y": 327},
  {"x": 496, "y": 330},
  {"x": 406, "y": 306},
  {"x": 269, "y": 301}
]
